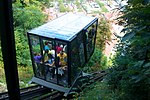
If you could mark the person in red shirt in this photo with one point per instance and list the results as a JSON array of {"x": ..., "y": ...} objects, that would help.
[{"x": 59, "y": 48}]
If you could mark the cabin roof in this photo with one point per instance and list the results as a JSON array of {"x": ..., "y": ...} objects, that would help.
[{"x": 64, "y": 27}]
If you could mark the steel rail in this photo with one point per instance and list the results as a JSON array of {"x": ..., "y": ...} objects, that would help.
[
  {"x": 28, "y": 93},
  {"x": 42, "y": 93}
]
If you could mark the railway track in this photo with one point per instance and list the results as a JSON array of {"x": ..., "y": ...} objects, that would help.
[
  {"x": 93, "y": 77},
  {"x": 42, "y": 93},
  {"x": 30, "y": 93}
]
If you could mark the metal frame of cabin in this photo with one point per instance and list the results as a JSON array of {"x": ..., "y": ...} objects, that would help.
[{"x": 67, "y": 29}]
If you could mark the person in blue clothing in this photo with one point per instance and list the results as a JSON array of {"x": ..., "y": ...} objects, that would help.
[
  {"x": 46, "y": 47},
  {"x": 50, "y": 61},
  {"x": 50, "y": 65}
]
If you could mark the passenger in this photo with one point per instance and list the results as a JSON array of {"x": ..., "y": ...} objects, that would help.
[
  {"x": 50, "y": 43},
  {"x": 65, "y": 48},
  {"x": 46, "y": 55},
  {"x": 38, "y": 64},
  {"x": 62, "y": 59},
  {"x": 51, "y": 63},
  {"x": 46, "y": 47},
  {"x": 52, "y": 51},
  {"x": 37, "y": 58},
  {"x": 91, "y": 32},
  {"x": 59, "y": 48}
]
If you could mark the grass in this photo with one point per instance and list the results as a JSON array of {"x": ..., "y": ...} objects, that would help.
[
  {"x": 97, "y": 91},
  {"x": 2, "y": 73},
  {"x": 25, "y": 75}
]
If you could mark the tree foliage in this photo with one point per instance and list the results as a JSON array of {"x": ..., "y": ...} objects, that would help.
[
  {"x": 103, "y": 33},
  {"x": 62, "y": 8},
  {"x": 26, "y": 17},
  {"x": 97, "y": 62},
  {"x": 130, "y": 74},
  {"x": 22, "y": 49}
]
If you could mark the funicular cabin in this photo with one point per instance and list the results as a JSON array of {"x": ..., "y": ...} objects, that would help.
[{"x": 60, "y": 48}]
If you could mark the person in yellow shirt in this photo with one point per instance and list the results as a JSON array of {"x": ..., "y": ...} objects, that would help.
[{"x": 62, "y": 58}]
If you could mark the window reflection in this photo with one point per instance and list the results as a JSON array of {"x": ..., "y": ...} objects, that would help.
[{"x": 90, "y": 39}]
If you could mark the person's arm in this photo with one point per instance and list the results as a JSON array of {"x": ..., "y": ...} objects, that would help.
[{"x": 51, "y": 64}]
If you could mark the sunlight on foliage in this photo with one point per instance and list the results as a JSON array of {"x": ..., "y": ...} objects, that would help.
[
  {"x": 25, "y": 75},
  {"x": 129, "y": 75},
  {"x": 103, "y": 33},
  {"x": 97, "y": 62}
]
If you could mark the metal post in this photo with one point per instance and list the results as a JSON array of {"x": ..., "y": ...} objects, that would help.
[
  {"x": 69, "y": 63},
  {"x": 8, "y": 49}
]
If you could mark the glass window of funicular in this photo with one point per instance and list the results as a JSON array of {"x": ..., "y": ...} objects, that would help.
[
  {"x": 36, "y": 56},
  {"x": 62, "y": 62},
  {"x": 77, "y": 56},
  {"x": 90, "y": 39},
  {"x": 49, "y": 59},
  {"x": 81, "y": 50}
]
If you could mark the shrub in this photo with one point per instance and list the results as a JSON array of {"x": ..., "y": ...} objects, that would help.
[{"x": 97, "y": 62}]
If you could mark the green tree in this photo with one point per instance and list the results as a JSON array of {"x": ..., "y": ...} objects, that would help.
[
  {"x": 46, "y": 3},
  {"x": 62, "y": 8},
  {"x": 77, "y": 3},
  {"x": 25, "y": 18},
  {"x": 103, "y": 33},
  {"x": 130, "y": 75},
  {"x": 22, "y": 49}
]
